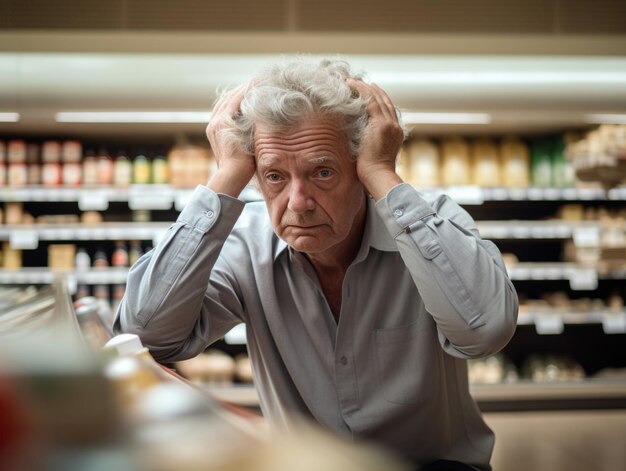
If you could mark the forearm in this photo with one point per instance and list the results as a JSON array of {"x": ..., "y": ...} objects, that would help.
[
  {"x": 229, "y": 182},
  {"x": 461, "y": 278},
  {"x": 378, "y": 183},
  {"x": 166, "y": 288}
]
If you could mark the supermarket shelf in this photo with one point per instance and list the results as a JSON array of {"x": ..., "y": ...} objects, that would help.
[
  {"x": 586, "y": 394},
  {"x": 150, "y": 197},
  {"x": 557, "y": 395},
  {"x": 584, "y": 233},
  {"x": 553, "y": 321},
  {"x": 157, "y": 196},
  {"x": 36, "y": 275},
  {"x": 476, "y": 195},
  {"x": 580, "y": 277},
  {"x": 27, "y": 236}
]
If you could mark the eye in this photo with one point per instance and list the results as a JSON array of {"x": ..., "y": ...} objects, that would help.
[
  {"x": 325, "y": 173},
  {"x": 272, "y": 177}
]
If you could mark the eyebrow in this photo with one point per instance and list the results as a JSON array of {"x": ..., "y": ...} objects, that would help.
[
  {"x": 319, "y": 160},
  {"x": 265, "y": 162}
]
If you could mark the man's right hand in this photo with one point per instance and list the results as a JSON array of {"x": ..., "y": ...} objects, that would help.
[{"x": 235, "y": 168}]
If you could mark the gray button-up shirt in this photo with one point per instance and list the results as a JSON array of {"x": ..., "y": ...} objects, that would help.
[{"x": 423, "y": 294}]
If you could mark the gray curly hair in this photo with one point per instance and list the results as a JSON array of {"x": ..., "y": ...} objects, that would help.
[{"x": 285, "y": 93}]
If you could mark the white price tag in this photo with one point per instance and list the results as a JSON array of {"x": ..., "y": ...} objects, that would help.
[
  {"x": 587, "y": 236},
  {"x": 570, "y": 194},
  {"x": 148, "y": 197},
  {"x": 535, "y": 193},
  {"x": 93, "y": 200},
  {"x": 581, "y": 279},
  {"x": 549, "y": 324},
  {"x": 520, "y": 231},
  {"x": 518, "y": 193},
  {"x": 499, "y": 194},
  {"x": 466, "y": 194},
  {"x": 24, "y": 239},
  {"x": 552, "y": 194},
  {"x": 614, "y": 322}
]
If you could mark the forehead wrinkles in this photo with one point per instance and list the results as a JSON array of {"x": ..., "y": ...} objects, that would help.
[{"x": 327, "y": 137}]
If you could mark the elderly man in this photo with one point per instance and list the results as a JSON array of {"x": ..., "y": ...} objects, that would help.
[{"x": 362, "y": 297}]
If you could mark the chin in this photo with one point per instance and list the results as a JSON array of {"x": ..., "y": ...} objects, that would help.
[{"x": 308, "y": 245}]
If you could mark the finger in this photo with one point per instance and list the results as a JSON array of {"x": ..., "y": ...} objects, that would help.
[
  {"x": 228, "y": 103},
  {"x": 378, "y": 102},
  {"x": 372, "y": 103},
  {"x": 385, "y": 103}
]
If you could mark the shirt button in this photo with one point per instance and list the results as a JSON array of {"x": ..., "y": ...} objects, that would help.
[
  {"x": 343, "y": 360},
  {"x": 209, "y": 214},
  {"x": 398, "y": 212}
]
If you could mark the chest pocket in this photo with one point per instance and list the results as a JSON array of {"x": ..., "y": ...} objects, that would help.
[{"x": 408, "y": 362}]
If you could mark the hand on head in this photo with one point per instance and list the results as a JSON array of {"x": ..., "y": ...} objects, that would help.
[
  {"x": 383, "y": 136},
  {"x": 235, "y": 167}
]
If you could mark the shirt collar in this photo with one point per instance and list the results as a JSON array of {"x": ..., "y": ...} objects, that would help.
[{"x": 375, "y": 235}]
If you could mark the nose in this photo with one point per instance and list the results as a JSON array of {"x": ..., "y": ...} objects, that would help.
[{"x": 300, "y": 199}]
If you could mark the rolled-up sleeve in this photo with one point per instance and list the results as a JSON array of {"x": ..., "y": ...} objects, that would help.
[
  {"x": 461, "y": 278},
  {"x": 173, "y": 301}
]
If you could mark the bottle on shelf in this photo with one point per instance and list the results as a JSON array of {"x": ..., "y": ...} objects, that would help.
[
  {"x": 160, "y": 171},
  {"x": 11, "y": 258},
  {"x": 105, "y": 168},
  {"x": 515, "y": 171},
  {"x": 17, "y": 172},
  {"x": 423, "y": 163},
  {"x": 51, "y": 168},
  {"x": 120, "y": 255},
  {"x": 71, "y": 155},
  {"x": 141, "y": 169},
  {"x": 100, "y": 259},
  {"x": 562, "y": 170},
  {"x": 485, "y": 163},
  {"x": 456, "y": 162},
  {"x": 90, "y": 168},
  {"x": 122, "y": 170},
  {"x": 33, "y": 164},
  {"x": 83, "y": 260},
  {"x": 541, "y": 163}
]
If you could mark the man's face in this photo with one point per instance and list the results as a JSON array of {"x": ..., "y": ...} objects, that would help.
[{"x": 309, "y": 183}]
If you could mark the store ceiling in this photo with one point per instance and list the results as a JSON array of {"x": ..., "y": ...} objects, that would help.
[{"x": 527, "y": 83}]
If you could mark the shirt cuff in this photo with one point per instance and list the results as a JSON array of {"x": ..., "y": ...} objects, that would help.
[
  {"x": 206, "y": 206},
  {"x": 401, "y": 207}
]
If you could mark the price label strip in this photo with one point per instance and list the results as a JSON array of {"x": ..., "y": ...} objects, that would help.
[
  {"x": 549, "y": 324},
  {"x": 466, "y": 194},
  {"x": 587, "y": 236},
  {"x": 145, "y": 197},
  {"x": 23, "y": 239},
  {"x": 583, "y": 279},
  {"x": 93, "y": 200},
  {"x": 614, "y": 322}
]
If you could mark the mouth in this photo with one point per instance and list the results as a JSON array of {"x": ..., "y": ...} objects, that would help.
[{"x": 297, "y": 226}]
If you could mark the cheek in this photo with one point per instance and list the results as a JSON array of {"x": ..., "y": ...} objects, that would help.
[{"x": 276, "y": 209}]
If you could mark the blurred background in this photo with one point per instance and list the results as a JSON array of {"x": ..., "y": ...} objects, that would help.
[{"x": 517, "y": 110}]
